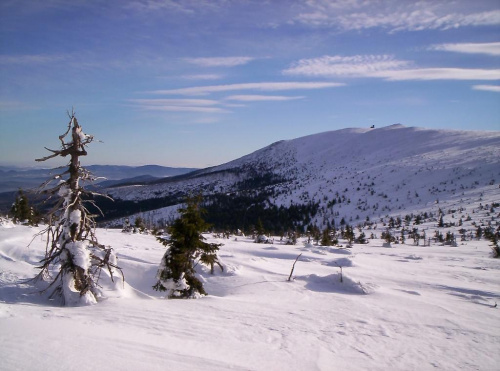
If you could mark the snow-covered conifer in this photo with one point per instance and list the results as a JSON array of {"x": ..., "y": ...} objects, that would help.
[
  {"x": 185, "y": 248},
  {"x": 21, "y": 211},
  {"x": 72, "y": 247}
]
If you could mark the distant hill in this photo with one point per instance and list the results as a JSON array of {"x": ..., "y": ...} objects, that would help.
[
  {"x": 114, "y": 172},
  {"x": 349, "y": 174},
  {"x": 11, "y": 178}
]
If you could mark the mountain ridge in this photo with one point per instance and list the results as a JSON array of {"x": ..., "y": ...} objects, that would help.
[
  {"x": 13, "y": 178},
  {"x": 370, "y": 171}
]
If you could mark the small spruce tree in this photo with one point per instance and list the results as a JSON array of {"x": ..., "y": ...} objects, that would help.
[
  {"x": 494, "y": 245},
  {"x": 185, "y": 248},
  {"x": 388, "y": 237},
  {"x": 479, "y": 232},
  {"x": 21, "y": 211},
  {"x": 349, "y": 235},
  {"x": 292, "y": 238},
  {"x": 361, "y": 238},
  {"x": 316, "y": 234},
  {"x": 260, "y": 232},
  {"x": 441, "y": 221},
  {"x": 139, "y": 224},
  {"x": 326, "y": 239}
]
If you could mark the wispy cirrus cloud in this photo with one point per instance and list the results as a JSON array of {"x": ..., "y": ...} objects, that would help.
[
  {"x": 186, "y": 109},
  {"x": 202, "y": 77},
  {"x": 358, "y": 65},
  {"x": 261, "y": 98},
  {"x": 259, "y": 86},
  {"x": 492, "y": 88},
  {"x": 396, "y": 15},
  {"x": 174, "y": 6},
  {"x": 440, "y": 74},
  {"x": 385, "y": 67},
  {"x": 33, "y": 59},
  {"x": 179, "y": 105},
  {"x": 219, "y": 61},
  {"x": 470, "y": 48},
  {"x": 176, "y": 102},
  {"x": 83, "y": 59}
]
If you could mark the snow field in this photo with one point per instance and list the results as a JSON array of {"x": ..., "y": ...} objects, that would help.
[{"x": 401, "y": 308}]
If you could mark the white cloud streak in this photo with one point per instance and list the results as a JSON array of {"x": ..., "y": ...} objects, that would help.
[
  {"x": 262, "y": 98},
  {"x": 397, "y": 15},
  {"x": 262, "y": 86},
  {"x": 176, "y": 102},
  {"x": 470, "y": 48},
  {"x": 493, "y": 88},
  {"x": 385, "y": 67},
  {"x": 440, "y": 74},
  {"x": 202, "y": 77},
  {"x": 219, "y": 61},
  {"x": 179, "y": 105},
  {"x": 358, "y": 65},
  {"x": 186, "y": 109},
  {"x": 160, "y": 5},
  {"x": 33, "y": 59}
]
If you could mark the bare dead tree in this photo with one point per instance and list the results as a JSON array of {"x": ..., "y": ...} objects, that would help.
[{"x": 71, "y": 239}]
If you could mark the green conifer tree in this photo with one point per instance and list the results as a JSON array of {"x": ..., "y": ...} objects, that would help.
[
  {"x": 361, "y": 238},
  {"x": 186, "y": 247},
  {"x": 349, "y": 235},
  {"x": 21, "y": 211},
  {"x": 494, "y": 245},
  {"x": 140, "y": 224},
  {"x": 326, "y": 239}
]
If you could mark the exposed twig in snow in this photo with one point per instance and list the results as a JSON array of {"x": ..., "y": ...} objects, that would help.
[
  {"x": 293, "y": 267},
  {"x": 341, "y": 278}
]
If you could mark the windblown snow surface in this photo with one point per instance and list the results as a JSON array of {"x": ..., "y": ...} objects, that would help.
[{"x": 401, "y": 308}]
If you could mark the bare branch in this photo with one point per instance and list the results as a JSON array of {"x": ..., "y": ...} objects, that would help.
[{"x": 293, "y": 267}]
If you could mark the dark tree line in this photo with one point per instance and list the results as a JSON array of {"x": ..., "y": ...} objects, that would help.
[{"x": 245, "y": 212}]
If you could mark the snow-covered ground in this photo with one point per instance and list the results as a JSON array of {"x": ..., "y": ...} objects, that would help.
[{"x": 401, "y": 308}]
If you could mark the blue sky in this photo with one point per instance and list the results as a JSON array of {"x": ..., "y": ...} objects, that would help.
[{"x": 199, "y": 83}]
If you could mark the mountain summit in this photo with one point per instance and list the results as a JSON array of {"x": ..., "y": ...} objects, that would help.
[{"x": 348, "y": 174}]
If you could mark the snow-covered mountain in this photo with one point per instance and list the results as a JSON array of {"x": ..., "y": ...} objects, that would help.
[{"x": 349, "y": 174}]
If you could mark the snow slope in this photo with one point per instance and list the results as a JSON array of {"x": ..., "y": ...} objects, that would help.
[
  {"x": 377, "y": 172},
  {"x": 401, "y": 308}
]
